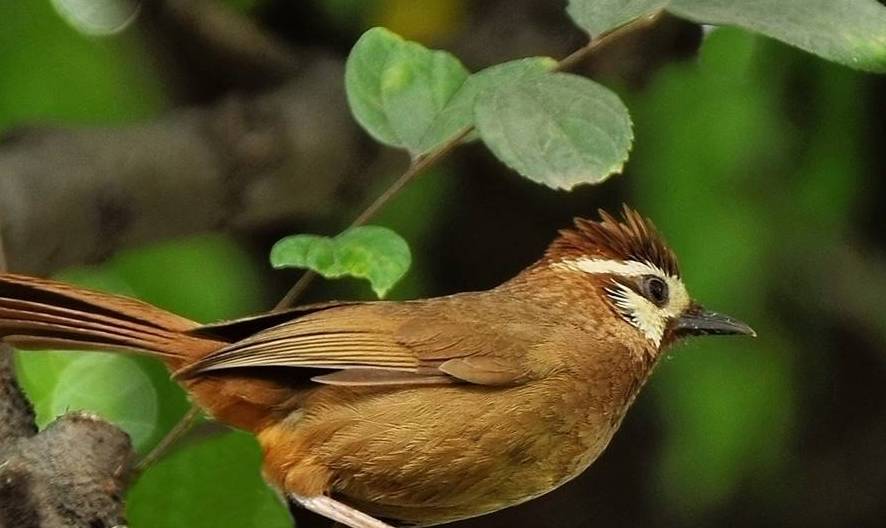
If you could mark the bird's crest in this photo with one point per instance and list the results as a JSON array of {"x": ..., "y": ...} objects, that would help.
[{"x": 632, "y": 239}]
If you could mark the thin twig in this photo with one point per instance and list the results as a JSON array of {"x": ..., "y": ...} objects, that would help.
[
  {"x": 579, "y": 55},
  {"x": 422, "y": 163},
  {"x": 296, "y": 291},
  {"x": 180, "y": 429},
  {"x": 417, "y": 166}
]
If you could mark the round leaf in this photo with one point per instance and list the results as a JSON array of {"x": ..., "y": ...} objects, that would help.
[
  {"x": 397, "y": 88},
  {"x": 112, "y": 386},
  {"x": 459, "y": 112},
  {"x": 370, "y": 252},
  {"x": 560, "y": 130},
  {"x": 851, "y": 32}
]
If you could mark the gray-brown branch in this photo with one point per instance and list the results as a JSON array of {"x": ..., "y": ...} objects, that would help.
[
  {"x": 75, "y": 195},
  {"x": 71, "y": 475}
]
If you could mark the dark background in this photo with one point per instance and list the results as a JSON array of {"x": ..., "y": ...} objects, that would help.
[{"x": 762, "y": 165}]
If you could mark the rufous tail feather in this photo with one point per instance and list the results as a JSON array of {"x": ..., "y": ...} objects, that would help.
[{"x": 39, "y": 313}]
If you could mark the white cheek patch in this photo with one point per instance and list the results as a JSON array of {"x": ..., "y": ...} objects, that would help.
[{"x": 637, "y": 310}]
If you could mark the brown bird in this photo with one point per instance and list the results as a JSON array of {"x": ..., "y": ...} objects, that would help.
[{"x": 425, "y": 411}]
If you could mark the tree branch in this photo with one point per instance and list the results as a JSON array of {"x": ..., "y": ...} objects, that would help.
[
  {"x": 75, "y": 195},
  {"x": 71, "y": 475},
  {"x": 16, "y": 413},
  {"x": 224, "y": 40}
]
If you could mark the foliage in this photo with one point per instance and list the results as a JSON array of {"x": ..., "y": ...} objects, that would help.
[
  {"x": 560, "y": 129},
  {"x": 556, "y": 129},
  {"x": 576, "y": 130},
  {"x": 397, "y": 88},
  {"x": 371, "y": 252},
  {"x": 849, "y": 32},
  {"x": 213, "y": 483}
]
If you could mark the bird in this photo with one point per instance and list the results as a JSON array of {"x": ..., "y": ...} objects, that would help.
[{"x": 416, "y": 412}]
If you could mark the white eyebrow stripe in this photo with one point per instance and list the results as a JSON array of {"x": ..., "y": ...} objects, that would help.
[{"x": 625, "y": 268}]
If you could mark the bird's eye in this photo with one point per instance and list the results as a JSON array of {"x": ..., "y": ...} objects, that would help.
[{"x": 655, "y": 289}]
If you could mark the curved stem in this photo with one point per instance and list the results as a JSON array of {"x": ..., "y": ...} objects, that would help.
[
  {"x": 579, "y": 55},
  {"x": 416, "y": 167},
  {"x": 184, "y": 425}
]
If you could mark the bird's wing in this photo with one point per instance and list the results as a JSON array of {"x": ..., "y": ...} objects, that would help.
[{"x": 387, "y": 343}]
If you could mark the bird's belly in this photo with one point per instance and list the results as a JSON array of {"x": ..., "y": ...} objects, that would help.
[{"x": 436, "y": 454}]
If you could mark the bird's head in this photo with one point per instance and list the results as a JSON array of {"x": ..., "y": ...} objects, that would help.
[{"x": 637, "y": 275}]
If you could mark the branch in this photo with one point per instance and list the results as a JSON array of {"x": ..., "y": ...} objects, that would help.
[
  {"x": 71, "y": 475},
  {"x": 75, "y": 195},
  {"x": 16, "y": 413},
  {"x": 855, "y": 278},
  {"x": 223, "y": 40}
]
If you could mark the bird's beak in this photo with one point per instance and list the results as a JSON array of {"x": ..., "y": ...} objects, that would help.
[{"x": 698, "y": 321}]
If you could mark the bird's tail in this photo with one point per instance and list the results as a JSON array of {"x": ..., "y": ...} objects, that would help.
[{"x": 39, "y": 313}]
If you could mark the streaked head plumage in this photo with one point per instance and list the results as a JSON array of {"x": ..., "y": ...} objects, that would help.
[
  {"x": 638, "y": 272},
  {"x": 633, "y": 239}
]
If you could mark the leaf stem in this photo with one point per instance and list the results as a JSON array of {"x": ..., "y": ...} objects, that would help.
[
  {"x": 185, "y": 423},
  {"x": 579, "y": 55},
  {"x": 422, "y": 163},
  {"x": 416, "y": 167}
]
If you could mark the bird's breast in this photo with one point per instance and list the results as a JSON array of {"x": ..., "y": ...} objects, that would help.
[{"x": 435, "y": 454}]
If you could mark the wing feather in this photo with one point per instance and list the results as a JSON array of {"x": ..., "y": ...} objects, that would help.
[{"x": 388, "y": 343}]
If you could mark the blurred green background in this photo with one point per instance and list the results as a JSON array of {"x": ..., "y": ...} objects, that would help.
[{"x": 762, "y": 165}]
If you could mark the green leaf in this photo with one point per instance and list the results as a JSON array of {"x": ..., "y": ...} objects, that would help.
[
  {"x": 112, "y": 386},
  {"x": 459, "y": 112},
  {"x": 599, "y": 16},
  {"x": 369, "y": 252},
  {"x": 216, "y": 482},
  {"x": 560, "y": 130},
  {"x": 396, "y": 88},
  {"x": 851, "y": 32}
]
